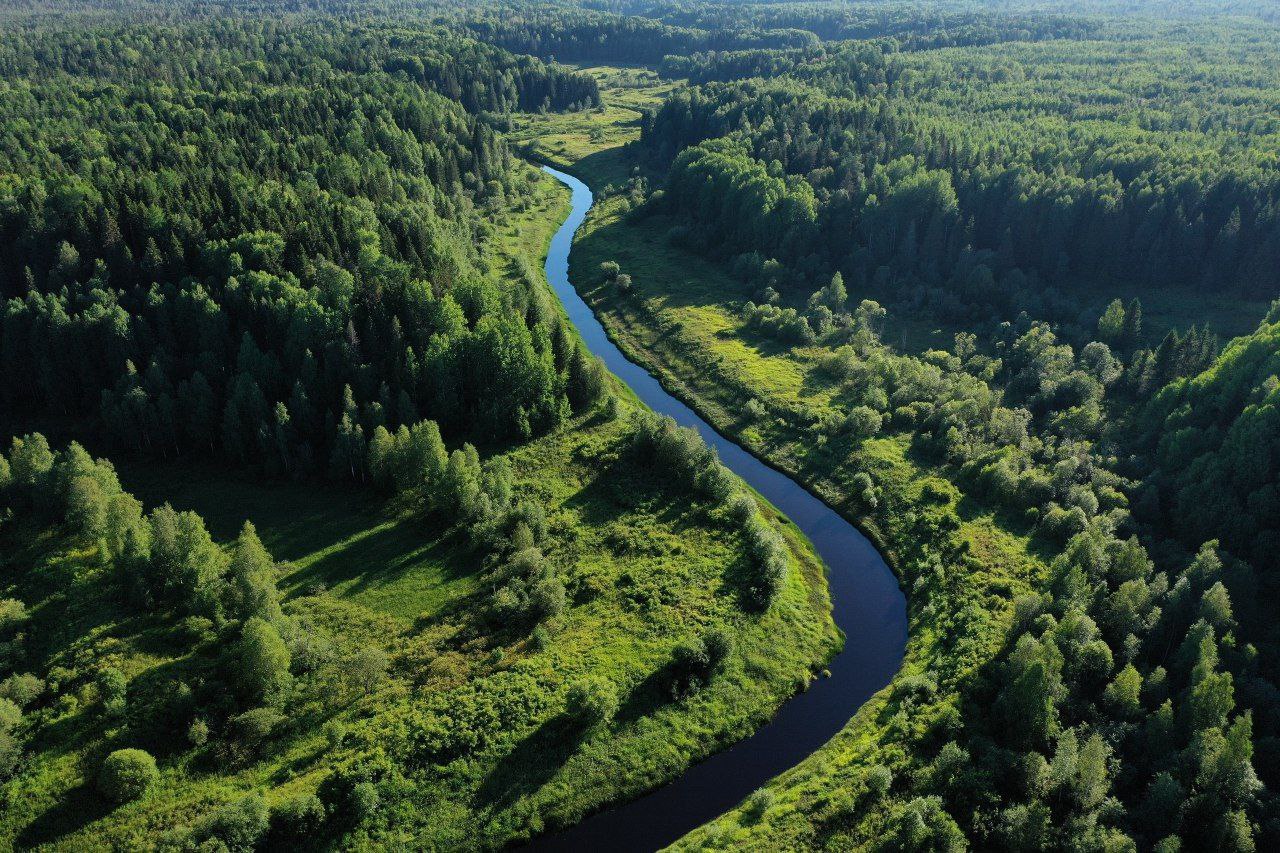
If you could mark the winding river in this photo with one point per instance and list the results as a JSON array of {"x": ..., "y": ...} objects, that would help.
[{"x": 867, "y": 606}]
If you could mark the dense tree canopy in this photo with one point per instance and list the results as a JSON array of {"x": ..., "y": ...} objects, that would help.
[
  {"x": 261, "y": 241},
  {"x": 970, "y": 180}
]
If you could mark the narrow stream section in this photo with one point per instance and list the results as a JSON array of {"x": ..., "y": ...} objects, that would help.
[{"x": 867, "y": 606}]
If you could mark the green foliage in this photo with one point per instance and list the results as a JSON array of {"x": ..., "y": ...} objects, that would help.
[
  {"x": 1063, "y": 705},
  {"x": 252, "y": 579},
  {"x": 693, "y": 664},
  {"x": 10, "y": 715},
  {"x": 847, "y": 159},
  {"x": 923, "y": 825},
  {"x": 126, "y": 774},
  {"x": 112, "y": 688},
  {"x": 296, "y": 821},
  {"x": 338, "y": 200},
  {"x": 1211, "y": 440},
  {"x": 22, "y": 688},
  {"x": 237, "y": 827},
  {"x": 591, "y": 701},
  {"x": 263, "y": 662},
  {"x": 332, "y": 646}
]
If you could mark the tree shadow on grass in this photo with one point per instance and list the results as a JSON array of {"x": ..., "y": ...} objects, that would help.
[
  {"x": 75, "y": 809},
  {"x": 628, "y": 485},
  {"x": 607, "y": 166},
  {"x": 647, "y": 696},
  {"x": 532, "y": 763},
  {"x": 380, "y": 556}
]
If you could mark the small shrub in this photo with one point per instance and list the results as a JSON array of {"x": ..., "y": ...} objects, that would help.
[
  {"x": 12, "y": 613},
  {"x": 23, "y": 689},
  {"x": 719, "y": 645},
  {"x": 193, "y": 631},
  {"x": 239, "y": 825},
  {"x": 255, "y": 727},
  {"x": 10, "y": 755},
  {"x": 335, "y": 732},
  {"x": 592, "y": 700},
  {"x": 126, "y": 775},
  {"x": 865, "y": 488},
  {"x": 863, "y": 422},
  {"x": 365, "y": 802},
  {"x": 1061, "y": 524},
  {"x": 757, "y": 804},
  {"x": 717, "y": 482},
  {"x": 741, "y": 507},
  {"x": 296, "y": 821},
  {"x": 878, "y": 779},
  {"x": 935, "y": 492},
  {"x": 367, "y": 667},
  {"x": 546, "y": 600},
  {"x": 694, "y": 663},
  {"x": 198, "y": 733},
  {"x": 112, "y": 687},
  {"x": 10, "y": 715}
]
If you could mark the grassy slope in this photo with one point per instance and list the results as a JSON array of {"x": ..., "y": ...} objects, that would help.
[
  {"x": 649, "y": 570},
  {"x": 679, "y": 322}
]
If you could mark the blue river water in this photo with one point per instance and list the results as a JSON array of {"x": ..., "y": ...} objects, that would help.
[{"x": 867, "y": 605}]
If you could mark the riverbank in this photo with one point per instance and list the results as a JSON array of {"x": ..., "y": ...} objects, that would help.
[
  {"x": 867, "y": 606},
  {"x": 677, "y": 322},
  {"x": 962, "y": 562}
]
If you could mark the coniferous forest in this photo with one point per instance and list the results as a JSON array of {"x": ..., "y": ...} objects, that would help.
[{"x": 322, "y": 528}]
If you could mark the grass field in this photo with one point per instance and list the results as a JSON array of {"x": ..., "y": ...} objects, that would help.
[
  {"x": 591, "y": 142},
  {"x": 645, "y": 567}
]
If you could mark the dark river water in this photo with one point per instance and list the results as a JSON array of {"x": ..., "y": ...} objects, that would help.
[{"x": 867, "y": 605}]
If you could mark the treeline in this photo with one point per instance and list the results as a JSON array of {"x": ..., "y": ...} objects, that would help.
[
  {"x": 1212, "y": 444},
  {"x": 581, "y": 35},
  {"x": 653, "y": 33},
  {"x": 261, "y": 49},
  {"x": 953, "y": 185},
  {"x": 267, "y": 256},
  {"x": 912, "y": 26}
]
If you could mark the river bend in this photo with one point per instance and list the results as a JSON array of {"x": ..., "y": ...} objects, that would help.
[{"x": 867, "y": 606}]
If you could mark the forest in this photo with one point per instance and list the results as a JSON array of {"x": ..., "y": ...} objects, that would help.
[{"x": 322, "y": 528}]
